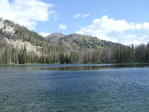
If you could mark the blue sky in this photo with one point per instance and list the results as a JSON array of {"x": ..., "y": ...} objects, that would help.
[{"x": 122, "y": 21}]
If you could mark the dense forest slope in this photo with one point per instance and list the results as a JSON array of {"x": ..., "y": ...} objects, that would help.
[
  {"x": 78, "y": 41},
  {"x": 18, "y": 45}
]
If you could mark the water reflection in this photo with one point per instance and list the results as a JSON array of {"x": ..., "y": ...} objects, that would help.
[
  {"x": 81, "y": 67},
  {"x": 73, "y": 67},
  {"x": 37, "y": 88}
]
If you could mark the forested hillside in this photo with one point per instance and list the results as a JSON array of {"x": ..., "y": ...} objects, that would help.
[
  {"x": 18, "y": 45},
  {"x": 77, "y": 41}
]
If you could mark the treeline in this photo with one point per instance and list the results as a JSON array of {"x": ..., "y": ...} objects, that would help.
[
  {"x": 60, "y": 54},
  {"x": 114, "y": 54},
  {"x": 89, "y": 50}
]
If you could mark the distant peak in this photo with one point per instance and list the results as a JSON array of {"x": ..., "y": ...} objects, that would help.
[{"x": 55, "y": 35}]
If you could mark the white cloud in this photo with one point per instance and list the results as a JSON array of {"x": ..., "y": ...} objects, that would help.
[
  {"x": 77, "y": 16},
  {"x": 85, "y": 15},
  {"x": 51, "y": 12},
  {"x": 62, "y": 26},
  {"x": 144, "y": 38},
  {"x": 145, "y": 25},
  {"x": 129, "y": 42},
  {"x": 56, "y": 19},
  {"x": 128, "y": 36},
  {"x": 44, "y": 34},
  {"x": 139, "y": 40},
  {"x": 27, "y": 12},
  {"x": 81, "y": 15},
  {"x": 102, "y": 27}
]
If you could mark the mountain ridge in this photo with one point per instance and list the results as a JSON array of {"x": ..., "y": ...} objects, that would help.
[
  {"x": 55, "y": 36},
  {"x": 18, "y": 45},
  {"x": 79, "y": 41}
]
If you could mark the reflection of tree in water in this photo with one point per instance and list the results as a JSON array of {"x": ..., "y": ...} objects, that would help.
[{"x": 93, "y": 67}]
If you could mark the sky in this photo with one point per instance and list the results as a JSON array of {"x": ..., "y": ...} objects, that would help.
[{"x": 120, "y": 21}]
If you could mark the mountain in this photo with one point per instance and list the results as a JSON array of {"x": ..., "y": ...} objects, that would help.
[
  {"x": 78, "y": 41},
  {"x": 54, "y": 36},
  {"x": 18, "y": 45},
  {"x": 20, "y": 37}
]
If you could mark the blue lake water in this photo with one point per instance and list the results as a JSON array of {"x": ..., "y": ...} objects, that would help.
[{"x": 75, "y": 88}]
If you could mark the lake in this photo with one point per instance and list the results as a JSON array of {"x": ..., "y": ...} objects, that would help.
[{"x": 74, "y": 88}]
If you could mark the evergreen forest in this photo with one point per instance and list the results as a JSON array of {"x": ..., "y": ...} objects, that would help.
[{"x": 18, "y": 45}]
